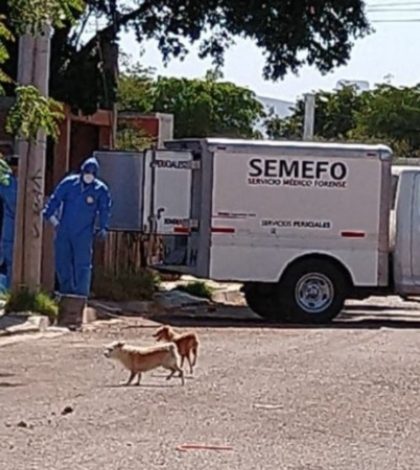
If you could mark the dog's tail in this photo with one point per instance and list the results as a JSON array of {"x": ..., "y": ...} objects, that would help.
[{"x": 194, "y": 351}]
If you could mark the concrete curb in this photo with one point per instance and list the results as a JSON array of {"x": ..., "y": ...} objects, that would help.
[
  {"x": 22, "y": 327},
  {"x": 169, "y": 299},
  {"x": 102, "y": 310},
  {"x": 176, "y": 299},
  {"x": 15, "y": 324},
  {"x": 229, "y": 296},
  {"x": 222, "y": 294}
]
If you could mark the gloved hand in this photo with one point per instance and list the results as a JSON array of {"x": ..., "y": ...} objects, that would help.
[
  {"x": 101, "y": 233},
  {"x": 54, "y": 221}
]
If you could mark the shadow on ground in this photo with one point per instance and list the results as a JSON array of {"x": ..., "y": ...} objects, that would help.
[
  {"x": 11, "y": 321},
  {"x": 10, "y": 385},
  {"x": 4, "y": 375},
  {"x": 367, "y": 316},
  {"x": 142, "y": 385}
]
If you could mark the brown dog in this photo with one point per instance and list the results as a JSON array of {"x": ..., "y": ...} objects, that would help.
[
  {"x": 187, "y": 344},
  {"x": 138, "y": 360}
]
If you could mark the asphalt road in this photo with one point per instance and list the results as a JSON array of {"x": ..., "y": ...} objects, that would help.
[{"x": 344, "y": 397}]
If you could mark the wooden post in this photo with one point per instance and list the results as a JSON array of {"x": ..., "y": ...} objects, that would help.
[
  {"x": 25, "y": 70},
  {"x": 34, "y": 58}
]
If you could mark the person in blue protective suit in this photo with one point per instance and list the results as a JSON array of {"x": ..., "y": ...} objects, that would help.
[
  {"x": 8, "y": 197},
  {"x": 77, "y": 201}
]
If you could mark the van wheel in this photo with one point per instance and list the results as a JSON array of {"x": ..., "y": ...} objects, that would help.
[
  {"x": 262, "y": 299},
  {"x": 313, "y": 291}
]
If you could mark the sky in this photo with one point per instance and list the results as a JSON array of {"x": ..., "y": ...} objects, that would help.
[{"x": 391, "y": 52}]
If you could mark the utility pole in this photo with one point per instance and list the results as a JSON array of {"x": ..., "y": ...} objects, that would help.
[
  {"x": 33, "y": 69},
  {"x": 309, "y": 122}
]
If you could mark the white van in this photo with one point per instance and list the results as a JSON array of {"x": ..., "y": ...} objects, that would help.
[{"x": 303, "y": 225}]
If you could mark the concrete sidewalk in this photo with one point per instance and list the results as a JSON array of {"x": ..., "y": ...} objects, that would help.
[
  {"x": 223, "y": 293},
  {"x": 22, "y": 323},
  {"x": 22, "y": 327},
  {"x": 169, "y": 300}
]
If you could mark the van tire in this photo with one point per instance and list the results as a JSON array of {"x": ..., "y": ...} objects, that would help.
[
  {"x": 262, "y": 299},
  {"x": 313, "y": 291}
]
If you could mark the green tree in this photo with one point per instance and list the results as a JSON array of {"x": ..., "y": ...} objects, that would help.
[
  {"x": 206, "y": 107},
  {"x": 201, "y": 107},
  {"x": 391, "y": 115},
  {"x": 32, "y": 111},
  {"x": 135, "y": 89},
  {"x": 289, "y": 34},
  {"x": 386, "y": 114},
  {"x": 335, "y": 116},
  {"x": 290, "y": 127},
  {"x": 5, "y": 37}
]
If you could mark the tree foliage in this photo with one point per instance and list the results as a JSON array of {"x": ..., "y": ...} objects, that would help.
[
  {"x": 207, "y": 107},
  {"x": 31, "y": 15},
  {"x": 289, "y": 33},
  {"x": 392, "y": 114},
  {"x": 5, "y": 36},
  {"x": 201, "y": 107},
  {"x": 33, "y": 112},
  {"x": 335, "y": 116},
  {"x": 135, "y": 89},
  {"x": 387, "y": 114}
]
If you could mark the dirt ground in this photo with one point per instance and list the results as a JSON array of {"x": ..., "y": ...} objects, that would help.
[{"x": 340, "y": 397}]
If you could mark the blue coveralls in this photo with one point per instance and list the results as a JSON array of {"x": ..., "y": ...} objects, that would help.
[
  {"x": 8, "y": 195},
  {"x": 76, "y": 206}
]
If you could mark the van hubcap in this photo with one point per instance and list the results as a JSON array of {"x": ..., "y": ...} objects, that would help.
[{"x": 314, "y": 293}]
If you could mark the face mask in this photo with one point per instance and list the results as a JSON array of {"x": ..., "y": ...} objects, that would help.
[{"x": 88, "y": 178}]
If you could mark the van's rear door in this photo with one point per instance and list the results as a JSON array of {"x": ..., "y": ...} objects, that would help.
[
  {"x": 123, "y": 173},
  {"x": 167, "y": 192}
]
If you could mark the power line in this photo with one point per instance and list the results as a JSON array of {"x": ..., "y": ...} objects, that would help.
[
  {"x": 394, "y": 9},
  {"x": 399, "y": 10},
  {"x": 399, "y": 4},
  {"x": 402, "y": 20}
]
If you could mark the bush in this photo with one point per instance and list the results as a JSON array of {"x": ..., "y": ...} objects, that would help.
[
  {"x": 23, "y": 300},
  {"x": 198, "y": 289},
  {"x": 140, "y": 285}
]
